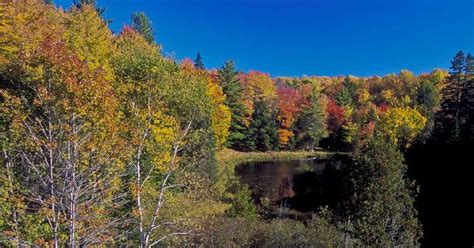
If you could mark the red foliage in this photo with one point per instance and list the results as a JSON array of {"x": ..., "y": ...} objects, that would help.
[
  {"x": 336, "y": 116},
  {"x": 213, "y": 74},
  {"x": 306, "y": 91},
  {"x": 128, "y": 30},
  {"x": 289, "y": 105},
  {"x": 367, "y": 130},
  {"x": 187, "y": 64},
  {"x": 382, "y": 108}
]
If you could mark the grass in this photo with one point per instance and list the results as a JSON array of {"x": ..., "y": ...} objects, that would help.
[{"x": 230, "y": 157}]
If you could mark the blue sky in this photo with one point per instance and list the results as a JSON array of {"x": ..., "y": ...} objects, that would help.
[{"x": 312, "y": 37}]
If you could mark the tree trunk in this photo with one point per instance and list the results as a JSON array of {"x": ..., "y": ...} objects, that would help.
[{"x": 8, "y": 164}]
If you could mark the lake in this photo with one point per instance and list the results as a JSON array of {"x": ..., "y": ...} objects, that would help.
[{"x": 299, "y": 185}]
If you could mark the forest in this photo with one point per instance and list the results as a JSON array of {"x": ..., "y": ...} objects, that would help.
[{"x": 105, "y": 141}]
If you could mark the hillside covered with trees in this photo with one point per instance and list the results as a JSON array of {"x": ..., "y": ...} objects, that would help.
[{"x": 106, "y": 142}]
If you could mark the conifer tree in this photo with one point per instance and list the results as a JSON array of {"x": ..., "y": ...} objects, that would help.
[
  {"x": 233, "y": 91},
  {"x": 198, "y": 64},
  {"x": 427, "y": 98},
  {"x": 451, "y": 108},
  {"x": 143, "y": 25},
  {"x": 469, "y": 66},
  {"x": 311, "y": 126},
  {"x": 80, "y": 3},
  {"x": 467, "y": 100},
  {"x": 384, "y": 213},
  {"x": 263, "y": 132},
  {"x": 347, "y": 93}
]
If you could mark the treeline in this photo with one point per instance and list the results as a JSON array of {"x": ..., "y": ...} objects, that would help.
[
  {"x": 341, "y": 113},
  {"x": 106, "y": 141}
]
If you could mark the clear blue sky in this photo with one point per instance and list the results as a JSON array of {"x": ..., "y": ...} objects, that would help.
[{"x": 312, "y": 37}]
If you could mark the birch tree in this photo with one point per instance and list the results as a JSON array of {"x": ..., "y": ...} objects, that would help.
[{"x": 67, "y": 156}]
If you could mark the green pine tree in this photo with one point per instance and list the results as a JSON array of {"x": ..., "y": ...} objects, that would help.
[
  {"x": 233, "y": 91},
  {"x": 242, "y": 205},
  {"x": 263, "y": 131},
  {"x": 347, "y": 94},
  {"x": 450, "y": 116},
  {"x": 469, "y": 66},
  {"x": 93, "y": 3},
  {"x": 143, "y": 25},
  {"x": 311, "y": 126},
  {"x": 198, "y": 64},
  {"x": 427, "y": 100},
  {"x": 383, "y": 199},
  {"x": 467, "y": 101}
]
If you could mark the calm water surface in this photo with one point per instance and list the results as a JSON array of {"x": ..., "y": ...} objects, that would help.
[{"x": 303, "y": 185}]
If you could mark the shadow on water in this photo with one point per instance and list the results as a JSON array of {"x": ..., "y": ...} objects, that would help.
[
  {"x": 313, "y": 190},
  {"x": 302, "y": 186}
]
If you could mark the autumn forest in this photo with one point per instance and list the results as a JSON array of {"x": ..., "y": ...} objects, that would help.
[{"x": 105, "y": 141}]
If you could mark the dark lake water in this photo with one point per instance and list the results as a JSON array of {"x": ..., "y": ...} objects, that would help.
[{"x": 302, "y": 185}]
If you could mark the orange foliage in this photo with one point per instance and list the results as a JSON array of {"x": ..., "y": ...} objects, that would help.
[
  {"x": 289, "y": 105},
  {"x": 284, "y": 136},
  {"x": 257, "y": 86}
]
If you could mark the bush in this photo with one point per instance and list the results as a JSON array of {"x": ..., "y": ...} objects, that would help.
[
  {"x": 241, "y": 203},
  {"x": 240, "y": 232}
]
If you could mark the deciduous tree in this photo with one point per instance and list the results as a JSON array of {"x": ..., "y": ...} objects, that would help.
[
  {"x": 289, "y": 101},
  {"x": 258, "y": 86},
  {"x": 402, "y": 125}
]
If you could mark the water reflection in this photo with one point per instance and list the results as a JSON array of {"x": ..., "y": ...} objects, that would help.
[{"x": 301, "y": 185}]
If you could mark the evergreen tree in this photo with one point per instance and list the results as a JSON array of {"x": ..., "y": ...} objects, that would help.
[
  {"x": 233, "y": 91},
  {"x": 311, "y": 126},
  {"x": 455, "y": 120},
  {"x": 80, "y": 3},
  {"x": 263, "y": 132},
  {"x": 469, "y": 67},
  {"x": 347, "y": 94},
  {"x": 467, "y": 101},
  {"x": 384, "y": 213},
  {"x": 48, "y": 1},
  {"x": 142, "y": 24},
  {"x": 427, "y": 99},
  {"x": 451, "y": 108},
  {"x": 242, "y": 205},
  {"x": 198, "y": 64}
]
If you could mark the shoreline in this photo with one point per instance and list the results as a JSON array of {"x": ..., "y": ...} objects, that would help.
[{"x": 228, "y": 156}]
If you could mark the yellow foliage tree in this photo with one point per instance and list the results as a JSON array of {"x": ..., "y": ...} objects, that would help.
[
  {"x": 89, "y": 37},
  {"x": 25, "y": 24},
  {"x": 257, "y": 86},
  {"x": 221, "y": 115},
  {"x": 219, "y": 112},
  {"x": 152, "y": 132},
  {"x": 402, "y": 125}
]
